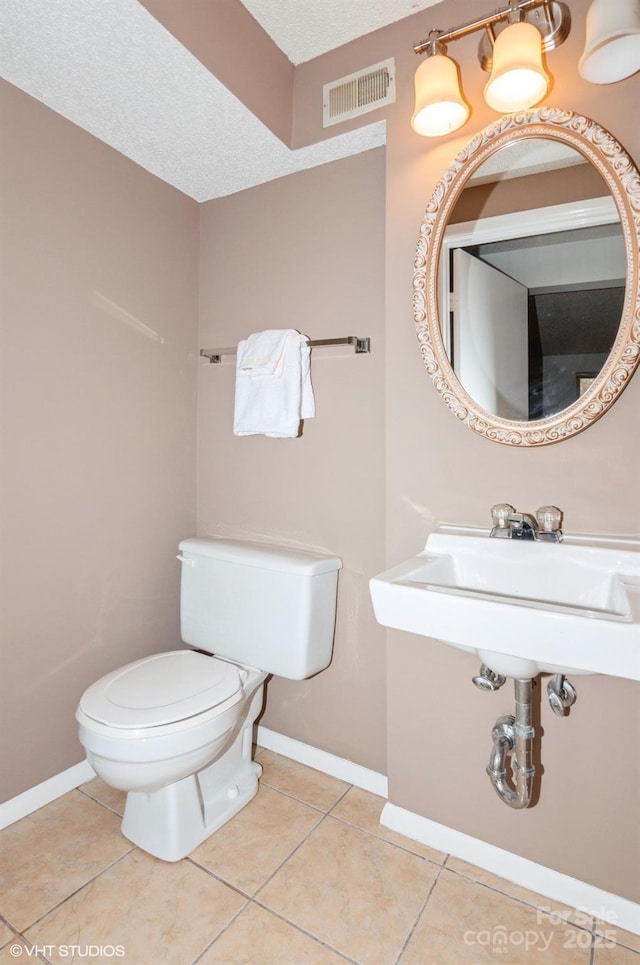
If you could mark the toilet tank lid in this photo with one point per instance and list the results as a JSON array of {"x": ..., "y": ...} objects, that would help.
[{"x": 271, "y": 556}]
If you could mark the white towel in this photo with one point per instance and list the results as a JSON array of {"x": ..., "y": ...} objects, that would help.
[{"x": 273, "y": 384}]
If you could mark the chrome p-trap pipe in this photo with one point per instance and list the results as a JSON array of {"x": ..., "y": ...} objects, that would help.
[{"x": 512, "y": 737}]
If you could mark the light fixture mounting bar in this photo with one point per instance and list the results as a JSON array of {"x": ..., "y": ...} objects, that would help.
[{"x": 444, "y": 37}]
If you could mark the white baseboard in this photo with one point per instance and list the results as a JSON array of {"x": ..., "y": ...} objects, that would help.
[
  {"x": 36, "y": 797},
  {"x": 323, "y": 761},
  {"x": 568, "y": 892}
]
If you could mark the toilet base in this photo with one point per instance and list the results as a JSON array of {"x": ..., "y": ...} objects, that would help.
[{"x": 170, "y": 822}]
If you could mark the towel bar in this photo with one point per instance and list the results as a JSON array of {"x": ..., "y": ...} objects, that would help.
[{"x": 361, "y": 347}]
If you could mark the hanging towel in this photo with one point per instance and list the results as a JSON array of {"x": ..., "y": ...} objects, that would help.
[{"x": 273, "y": 384}]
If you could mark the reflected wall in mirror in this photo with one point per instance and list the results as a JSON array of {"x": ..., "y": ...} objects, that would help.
[{"x": 526, "y": 296}]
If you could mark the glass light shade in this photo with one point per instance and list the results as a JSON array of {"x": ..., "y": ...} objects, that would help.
[
  {"x": 518, "y": 79},
  {"x": 440, "y": 107},
  {"x": 612, "y": 49}
]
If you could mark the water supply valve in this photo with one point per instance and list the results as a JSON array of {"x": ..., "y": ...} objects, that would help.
[
  {"x": 561, "y": 693},
  {"x": 488, "y": 679}
]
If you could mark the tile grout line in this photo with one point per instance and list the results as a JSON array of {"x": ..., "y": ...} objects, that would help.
[
  {"x": 384, "y": 840},
  {"x": 496, "y": 890},
  {"x": 377, "y": 836},
  {"x": 589, "y": 931},
  {"x": 319, "y": 941},
  {"x": 290, "y": 855},
  {"x": 76, "y": 891},
  {"x": 292, "y": 797},
  {"x": 217, "y": 877},
  {"x": 340, "y": 799},
  {"x": 419, "y": 916},
  {"x": 41, "y": 957},
  {"x": 252, "y": 899},
  {"x": 249, "y": 899},
  {"x": 222, "y": 931},
  {"x": 521, "y": 901},
  {"x": 102, "y": 804},
  {"x": 592, "y": 928},
  {"x": 329, "y": 814}
]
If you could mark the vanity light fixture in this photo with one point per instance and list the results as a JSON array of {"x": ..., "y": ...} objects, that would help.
[
  {"x": 511, "y": 48},
  {"x": 518, "y": 78},
  {"x": 612, "y": 49},
  {"x": 440, "y": 107}
]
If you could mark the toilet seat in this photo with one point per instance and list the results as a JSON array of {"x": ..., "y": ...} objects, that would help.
[{"x": 163, "y": 689}]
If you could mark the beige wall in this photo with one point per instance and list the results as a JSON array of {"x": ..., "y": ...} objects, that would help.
[
  {"x": 98, "y": 300},
  {"x": 306, "y": 252},
  {"x": 585, "y": 822}
]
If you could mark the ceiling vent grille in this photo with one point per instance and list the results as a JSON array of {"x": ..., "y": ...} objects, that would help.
[{"x": 359, "y": 93}]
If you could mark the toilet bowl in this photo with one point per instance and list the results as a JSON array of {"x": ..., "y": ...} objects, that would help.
[
  {"x": 162, "y": 718},
  {"x": 157, "y": 727},
  {"x": 175, "y": 730}
]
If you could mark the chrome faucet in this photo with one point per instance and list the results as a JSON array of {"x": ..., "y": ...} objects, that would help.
[{"x": 508, "y": 524}]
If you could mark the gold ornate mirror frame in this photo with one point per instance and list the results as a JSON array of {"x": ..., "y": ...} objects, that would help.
[{"x": 623, "y": 180}]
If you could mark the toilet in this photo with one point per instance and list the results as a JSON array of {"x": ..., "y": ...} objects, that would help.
[{"x": 175, "y": 730}]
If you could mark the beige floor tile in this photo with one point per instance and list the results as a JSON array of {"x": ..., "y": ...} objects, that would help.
[
  {"x": 615, "y": 955},
  {"x": 610, "y": 930},
  {"x": 17, "y": 950},
  {"x": 352, "y": 890},
  {"x": 277, "y": 941},
  {"x": 304, "y": 783},
  {"x": 466, "y": 922},
  {"x": 551, "y": 911},
  {"x": 363, "y": 810},
  {"x": 6, "y": 934},
  {"x": 253, "y": 844},
  {"x": 52, "y": 852},
  {"x": 160, "y": 912},
  {"x": 111, "y": 797}
]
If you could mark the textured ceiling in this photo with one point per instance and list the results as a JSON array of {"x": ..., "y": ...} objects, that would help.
[
  {"x": 112, "y": 69},
  {"x": 304, "y": 29}
]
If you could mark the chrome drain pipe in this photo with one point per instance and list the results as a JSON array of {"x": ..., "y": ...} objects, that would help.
[{"x": 513, "y": 738}]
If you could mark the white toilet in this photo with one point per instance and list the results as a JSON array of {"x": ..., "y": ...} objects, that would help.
[{"x": 175, "y": 730}]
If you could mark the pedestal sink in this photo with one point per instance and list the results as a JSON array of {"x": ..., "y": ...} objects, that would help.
[{"x": 524, "y": 607}]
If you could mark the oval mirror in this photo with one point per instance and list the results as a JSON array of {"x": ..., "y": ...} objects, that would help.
[{"x": 526, "y": 291}]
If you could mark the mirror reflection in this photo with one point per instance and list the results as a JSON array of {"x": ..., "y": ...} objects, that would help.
[{"x": 531, "y": 280}]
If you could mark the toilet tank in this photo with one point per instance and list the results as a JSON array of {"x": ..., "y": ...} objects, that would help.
[{"x": 261, "y": 604}]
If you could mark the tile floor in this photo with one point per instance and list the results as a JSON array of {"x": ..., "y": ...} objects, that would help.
[{"x": 304, "y": 874}]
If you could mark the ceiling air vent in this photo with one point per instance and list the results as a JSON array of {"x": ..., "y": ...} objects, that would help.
[{"x": 359, "y": 93}]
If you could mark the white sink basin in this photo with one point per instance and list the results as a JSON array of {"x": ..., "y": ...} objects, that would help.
[{"x": 523, "y": 607}]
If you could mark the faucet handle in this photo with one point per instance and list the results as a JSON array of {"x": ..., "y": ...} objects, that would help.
[
  {"x": 549, "y": 519},
  {"x": 500, "y": 515}
]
